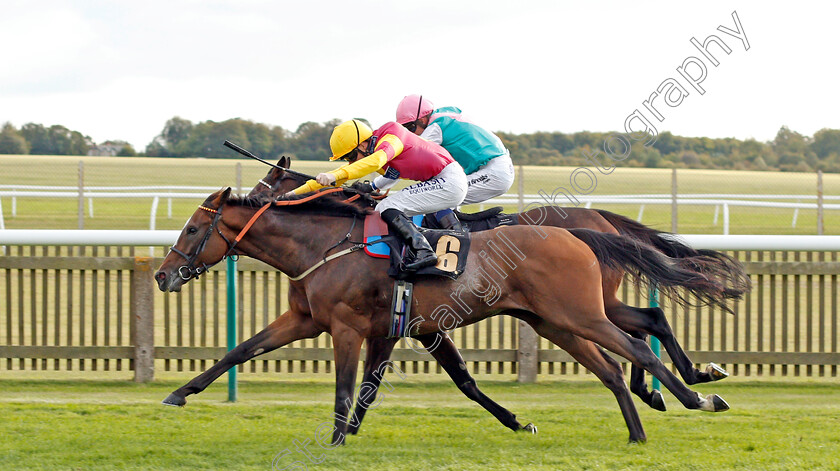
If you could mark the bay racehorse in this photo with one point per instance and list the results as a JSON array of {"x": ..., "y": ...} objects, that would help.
[
  {"x": 638, "y": 322},
  {"x": 555, "y": 287}
]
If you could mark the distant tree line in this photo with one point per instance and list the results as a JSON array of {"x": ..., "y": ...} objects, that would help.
[
  {"x": 182, "y": 138},
  {"x": 788, "y": 151}
]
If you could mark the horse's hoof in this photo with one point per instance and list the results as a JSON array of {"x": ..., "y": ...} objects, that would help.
[
  {"x": 173, "y": 400},
  {"x": 713, "y": 403},
  {"x": 716, "y": 372},
  {"x": 529, "y": 428},
  {"x": 657, "y": 401},
  {"x": 719, "y": 403},
  {"x": 639, "y": 440}
]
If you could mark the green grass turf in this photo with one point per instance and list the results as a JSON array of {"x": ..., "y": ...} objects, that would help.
[{"x": 104, "y": 425}]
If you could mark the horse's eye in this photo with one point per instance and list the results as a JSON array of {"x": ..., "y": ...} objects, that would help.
[{"x": 191, "y": 230}]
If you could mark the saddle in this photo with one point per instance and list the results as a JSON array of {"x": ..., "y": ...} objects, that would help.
[
  {"x": 480, "y": 221},
  {"x": 451, "y": 247}
]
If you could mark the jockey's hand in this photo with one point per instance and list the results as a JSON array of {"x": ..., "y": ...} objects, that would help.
[
  {"x": 362, "y": 187},
  {"x": 287, "y": 195},
  {"x": 326, "y": 179}
]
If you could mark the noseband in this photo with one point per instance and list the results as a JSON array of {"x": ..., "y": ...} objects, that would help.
[{"x": 189, "y": 270}]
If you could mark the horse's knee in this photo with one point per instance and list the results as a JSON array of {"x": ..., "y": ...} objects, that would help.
[
  {"x": 614, "y": 380},
  {"x": 613, "y": 377},
  {"x": 242, "y": 353},
  {"x": 658, "y": 324},
  {"x": 470, "y": 389}
]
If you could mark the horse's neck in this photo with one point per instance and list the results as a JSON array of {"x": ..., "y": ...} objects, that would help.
[
  {"x": 288, "y": 183},
  {"x": 289, "y": 242}
]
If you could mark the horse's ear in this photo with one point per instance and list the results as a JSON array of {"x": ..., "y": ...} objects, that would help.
[
  {"x": 284, "y": 162},
  {"x": 224, "y": 196},
  {"x": 217, "y": 199}
]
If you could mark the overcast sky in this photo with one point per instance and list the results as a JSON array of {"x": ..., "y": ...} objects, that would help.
[{"x": 119, "y": 70}]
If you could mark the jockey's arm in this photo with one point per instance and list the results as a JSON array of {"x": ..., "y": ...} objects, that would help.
[
  {"x": 433, "y": 133},
  {"x": 386, "y": 180},
  {"x": 388, "y": 147}
]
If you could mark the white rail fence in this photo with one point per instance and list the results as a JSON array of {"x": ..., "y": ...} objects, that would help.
[
  {"x": 34, "y": 237},
  {"x": 769, "y": 333},
  {"x": 721, "y": 201}
]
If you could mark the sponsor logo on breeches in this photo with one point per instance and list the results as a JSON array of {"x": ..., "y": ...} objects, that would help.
[
  {"x": 424, "y": 187},
  {"x": 483, "y": 178}
]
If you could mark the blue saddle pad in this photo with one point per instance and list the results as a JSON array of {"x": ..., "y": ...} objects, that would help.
[{"x": 382, "y": 249}]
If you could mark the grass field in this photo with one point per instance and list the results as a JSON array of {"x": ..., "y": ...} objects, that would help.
[
  {"x": 105, "y": 425},
  {"x": 134, "y": 214}
]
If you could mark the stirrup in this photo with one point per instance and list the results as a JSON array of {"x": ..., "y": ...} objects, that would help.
[{"x": 419, "y": 263}]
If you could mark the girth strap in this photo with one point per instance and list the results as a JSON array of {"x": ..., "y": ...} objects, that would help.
[{"x": 327, "y": 259}]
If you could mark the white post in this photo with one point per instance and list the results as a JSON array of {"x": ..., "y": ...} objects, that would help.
[
  {"x": 819, "y": 203},
  {"x": 674, "y": 207},
  {"x": 641, "y": 213},
  {"x": 90, "y": 207},
  {"x": 2, "y": 227},
  {"x": 239, "y": 178},
  {"x": 169, "y": 208},
  {"x": 152, "y": 219},
  {"x": 717, "y": 210},
  {"x": 725, "y": 219},
  {"x": 81, "y": 195},
  {"x": 526, "y": 354},
  {"x": 14, "y": 206},
  {"x": 795, "y": 215}
]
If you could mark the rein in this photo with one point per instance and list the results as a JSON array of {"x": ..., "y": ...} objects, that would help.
[
  {"x": 192, "y": 271},
  {"x": 189, "y": 270},
  {"x": 278, "y": 203}
]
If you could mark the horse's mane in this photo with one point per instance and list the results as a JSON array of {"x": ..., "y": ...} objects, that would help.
[{"x": 334, "y": 204}]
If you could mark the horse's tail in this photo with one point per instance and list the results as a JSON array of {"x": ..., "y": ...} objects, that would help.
[
  {"x": 649, "y": 266},
  {"x": 717, "y": 264}
]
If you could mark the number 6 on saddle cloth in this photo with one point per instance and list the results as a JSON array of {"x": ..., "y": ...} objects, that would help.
[{"x": 451, "y": 248}]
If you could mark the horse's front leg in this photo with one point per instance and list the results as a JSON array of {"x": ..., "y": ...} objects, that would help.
[
  {"x": 447, "y": 355},
  {"x": 378, "y": 352},
  {"x": 287, "y": 328},
  {"x": 347, "y": 346}
]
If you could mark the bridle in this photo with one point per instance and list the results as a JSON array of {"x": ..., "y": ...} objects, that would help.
[{"x": 189, "y": 270}]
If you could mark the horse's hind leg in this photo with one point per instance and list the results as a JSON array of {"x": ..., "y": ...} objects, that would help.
[
  {"x": 378, "y": 352},
  {"x": 653, "y": 321},
  {"x": 638, "y": 385},
  {"x": 614, "y": 339},
  {"x": 285, "y": 329},
  {"x": 447, "y": 355},
  {"x": 604, "y": 367}
]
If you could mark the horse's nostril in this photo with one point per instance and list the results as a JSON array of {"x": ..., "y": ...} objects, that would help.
[{"x": 160, "y": 275}]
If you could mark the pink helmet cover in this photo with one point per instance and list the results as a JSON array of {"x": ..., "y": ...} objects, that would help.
[{"x": 407, "y": 110}]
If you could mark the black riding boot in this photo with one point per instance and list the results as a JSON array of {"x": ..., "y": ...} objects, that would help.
[
  {"x": 448, "y": 220},
  {"x": 424, "y": 256}
]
